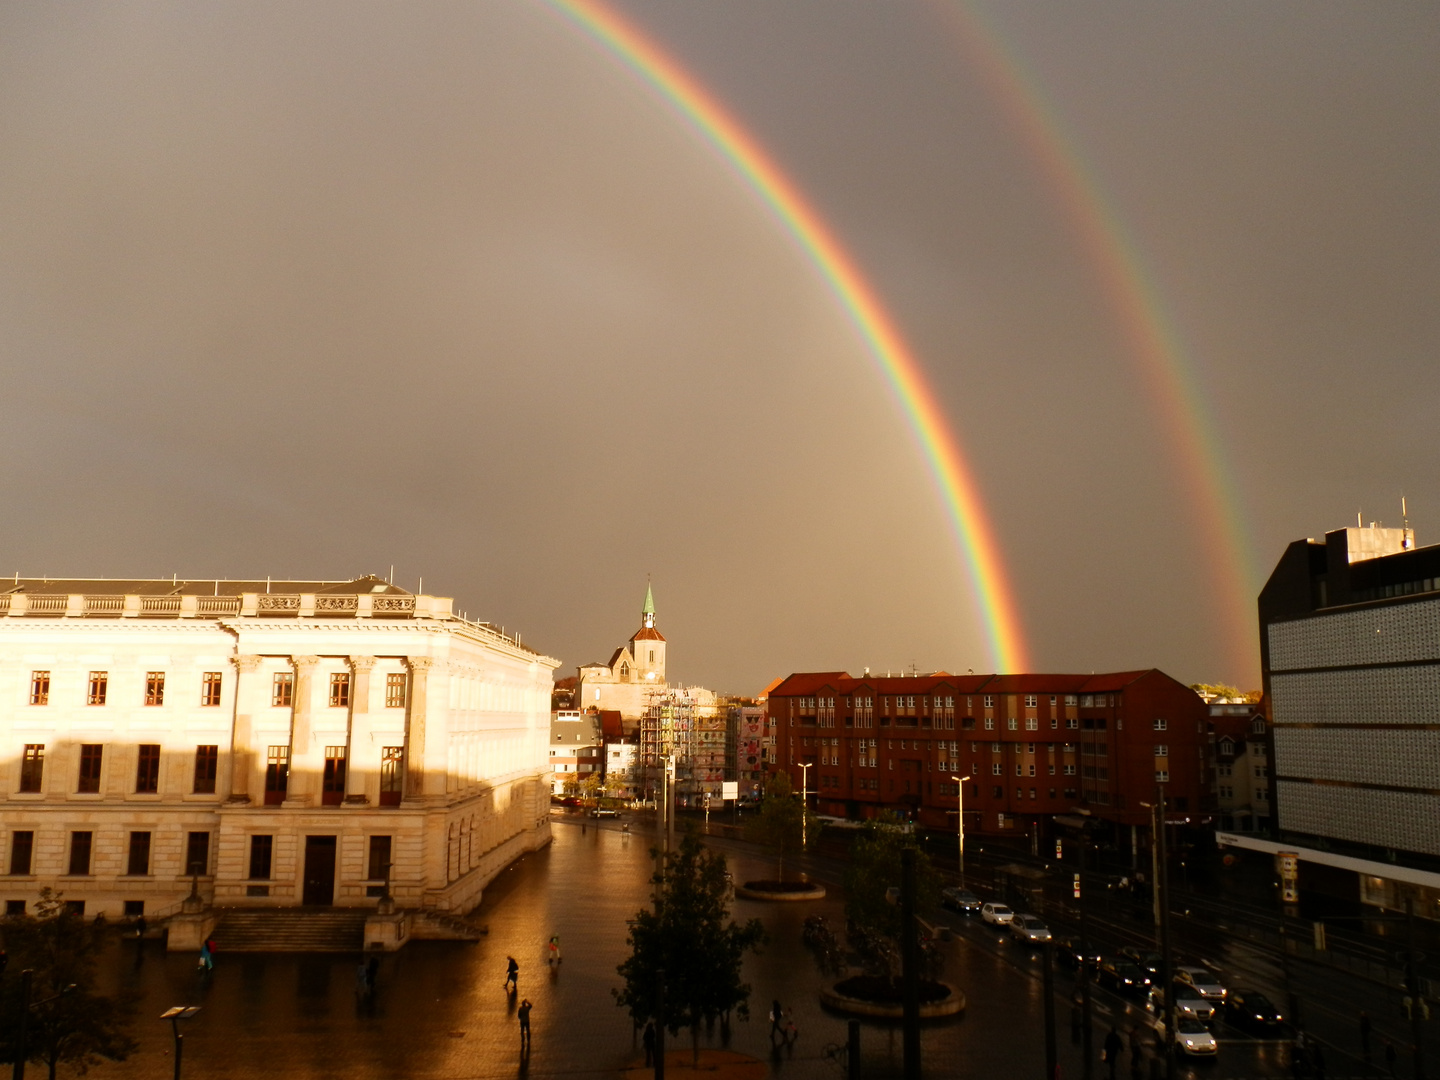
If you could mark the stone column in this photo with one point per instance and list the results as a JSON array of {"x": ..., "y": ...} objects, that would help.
[
  {"x": 361, "y": 669},
  {"x": 304, "y": 775},
  {"x": 415, "y": 725},
  {"x": 242, "y": 764}
]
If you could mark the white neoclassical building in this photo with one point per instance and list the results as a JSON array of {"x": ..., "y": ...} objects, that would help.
[{"x": 287, "y": 743}]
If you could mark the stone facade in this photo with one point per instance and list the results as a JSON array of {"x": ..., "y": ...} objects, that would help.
[
  {"x": 276, "y": 742},
  {"x": 634, "y": 677}
]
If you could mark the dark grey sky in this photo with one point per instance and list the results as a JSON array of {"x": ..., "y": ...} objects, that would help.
[{"x": 316, "y": 289}]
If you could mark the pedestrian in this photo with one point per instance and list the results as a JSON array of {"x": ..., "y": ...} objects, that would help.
[
  {"x": 1113, "y": 1047},
  {"x": 512, "y": 974},
  {"x": 777, "y": 1019},
  {"x": 649, "y": 1040},
  {"x": 1365, "y": 1033},
  {"x": 207, "y": 961},
  {"x": 362, "y": 984},
  {"x": 524, "y": 1013},
  {"x": 554, "y": 949},
  {"x": 140, "y": 926}
]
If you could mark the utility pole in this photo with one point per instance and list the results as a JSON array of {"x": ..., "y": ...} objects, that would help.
[
  {"x": 1164, "y": 893},
  {"x": 909, "y": 965},
  {"x": 1412, "y": 986}
]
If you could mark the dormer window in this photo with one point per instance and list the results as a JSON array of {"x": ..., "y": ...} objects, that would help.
[
  {"x": 1258, "y": 726},
  {"x": 1227, "y": 747}
]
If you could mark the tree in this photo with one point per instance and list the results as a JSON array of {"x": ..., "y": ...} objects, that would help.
[
  {"x": 874, "y": 869},
  {"x": 686, "y": 934},
  {"x": 783, "y": 824},
  {"x": 68, "y": 1021},
  {"x": 589, "y": 786}
]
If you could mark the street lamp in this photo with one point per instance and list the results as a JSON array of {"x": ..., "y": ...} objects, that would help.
[
  {"x": 175, "y": 1015},
  {"x": 804, "y": 802},
  {"x": 960, "y": 820}
]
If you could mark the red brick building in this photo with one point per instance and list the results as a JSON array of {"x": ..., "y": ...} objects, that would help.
[{"x": 1032, "y": 745}]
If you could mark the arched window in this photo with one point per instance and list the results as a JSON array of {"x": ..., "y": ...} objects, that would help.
[{"x": 624, "y": 672}]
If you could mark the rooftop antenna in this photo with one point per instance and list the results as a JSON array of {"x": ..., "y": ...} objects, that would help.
[
  {"x": 391, "y": 578},
  {"x": 1358, "y": 523},
  {"x": 422, "y": 586},
  {"x": 1404, "y": 523}
]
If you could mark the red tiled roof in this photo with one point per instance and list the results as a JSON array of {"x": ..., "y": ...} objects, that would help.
[
  {"x": 611, "y": 726},
  {"x": 647, "y": 633}
]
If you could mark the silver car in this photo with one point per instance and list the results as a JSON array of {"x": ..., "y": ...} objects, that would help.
[
  {"x": 996, "y": 914},
  {"x": 1029, "y": 929},
  {"x": 1204, "y": 983},
  {"x": 1189, "y": 1005},
  {"x": 1191, "y": 1037}
]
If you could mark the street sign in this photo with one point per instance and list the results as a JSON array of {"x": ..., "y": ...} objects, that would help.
[
  {"x": 730, "y": 789},
  {"x": 1077, "y": 886}
]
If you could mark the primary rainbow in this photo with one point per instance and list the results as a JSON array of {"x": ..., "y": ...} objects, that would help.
[
  {"x": 941, "y": 450},
  {"x": 1155, "y": 343}
]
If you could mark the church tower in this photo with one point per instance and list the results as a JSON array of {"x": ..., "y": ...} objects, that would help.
[{"x": 648, "y": 646}]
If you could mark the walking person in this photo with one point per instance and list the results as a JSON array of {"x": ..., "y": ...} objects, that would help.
[
  {"x": 1113, "y": 1047},
  {"x": 649, "y": 1040},
  {"x": 554, "y": 949},
  {"x": 1365, "y": 1034},
  {"x": 207, "y": 960},
  {"x": 524, "y": 1013},
  {"x": 777, "y": 1020},
  {"x": 512, "y": 974}
]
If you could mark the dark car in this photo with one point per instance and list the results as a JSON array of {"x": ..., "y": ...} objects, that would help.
[
  {"x": 961, "y": 900},
  {"x": 1124, "y": 976},
  {"x": 1148, "y": 961},
  {"x": 1067, "y": 951},
  {"x": 1251, "y": 1011}
]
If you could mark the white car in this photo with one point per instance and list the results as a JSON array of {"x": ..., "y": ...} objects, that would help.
[
  {"x": 1189, "y": 1005},
  {"x": 1029, "y": 929},
  {"x": 1205, "y": 984},
  {"x": 1191, "y": 1037},
  {"x": 996, "y": 914}
]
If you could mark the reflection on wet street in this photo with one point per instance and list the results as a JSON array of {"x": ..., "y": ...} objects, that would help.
[{"x": 440, "y": 1009}]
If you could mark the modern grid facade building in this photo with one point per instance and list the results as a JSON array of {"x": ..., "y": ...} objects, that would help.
[
  {"x": 275, "y": 743},
  {"x": 1350, "y": 655},
  {"x": 1033, "y": 746}
]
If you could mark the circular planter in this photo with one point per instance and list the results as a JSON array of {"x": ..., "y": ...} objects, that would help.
[
  {"x": 866, "y": 995},
  {"x": 781, "y": 890}
]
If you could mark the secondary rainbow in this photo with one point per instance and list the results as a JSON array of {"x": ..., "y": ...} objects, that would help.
[
  {"x": 941, "y": 450},
  {"x": 1133, "y": 292}
]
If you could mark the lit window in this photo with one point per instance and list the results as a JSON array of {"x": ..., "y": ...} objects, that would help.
[
  {"x": 154, "y": 688},
  {"x": 95, "y": 690},
  {"x": 40, "y": 688},
  {"x": 210, "y": 688}
]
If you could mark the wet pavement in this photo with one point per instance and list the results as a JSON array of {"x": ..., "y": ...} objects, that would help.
[{"x": 440, "y": 1010}]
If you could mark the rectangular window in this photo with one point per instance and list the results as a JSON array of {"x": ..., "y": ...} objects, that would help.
[
  {"x": 147, "y": 769},
  {"x": 40, "y": 688},
  {"x": 262, "y": 850},
  {"x": 998, "y": 792},
  {"x": 91, "y": 755},
  {"x": 1161, "y": 750},
  {"x": 207, "y": 764},
  {"x": 392, "y": 774},
  {"x": 282, "y": 690},
  {"x": 1160, "y": 725},
  {"x": 1162, "y": 776},
  {"x": 1071, "y": 700},
  {"x": 989, "y": 723},
  {"x": 1032, "y": 723},
  {"x": 155, "y": 688},
  {"x": 379, "y": 868},
  {"x": 210, "y": 688},
  {"x": 332, "y": 785},
  {"x": 277, "y": 774},
  {"x": 197, "y": 853},
  {"x": 395, "y": 690},
  {"x": 989, "y": 701},
  {"x": 1030, "y": 701},
  {"x": 340, "y": 690},
  {"x": 80, "y": 853},
  {"x": 95, "y": 688},
  {"x": 138, "y": 864},
  {"x": 32, "y": 767},
  {"x": 22, "y": 850}
]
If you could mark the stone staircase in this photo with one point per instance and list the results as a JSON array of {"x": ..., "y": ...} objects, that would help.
[{"x": 290, "y": 930}]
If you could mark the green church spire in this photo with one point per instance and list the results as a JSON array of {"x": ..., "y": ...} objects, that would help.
[{"x": 649, "y": 608}]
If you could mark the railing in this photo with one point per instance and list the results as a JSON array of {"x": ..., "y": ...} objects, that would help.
[
  {"x": 396, "y": 604},
  {"x": 104, "y": 605},
  {"x": 217, "y": 605},
  {"x": 344, "y": 603},
  {"x": 47, "y": 605},
  {"x": 159, "y": 605},
  {"x": 5, "y": 603}
]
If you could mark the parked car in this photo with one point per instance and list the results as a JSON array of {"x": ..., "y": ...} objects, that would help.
[
  {"x": 1203, "y": 980},
  {"x": 604, "y": 811},
  {"x": 996, "y": 914},
  {"x": 1191, "y": 1037},
  {"x": 565, "y": 800},
  {"x": 1253, "y": 1012},
  {"x": 1123, "y": 976},
  {"x": 1067, "y": 951},
  {"x": 1029, "y": 929},
  {"x": 1149, "y": 961},
  {"x": 1188, "y": 1003},
  {"x": 961, "y": 900}
]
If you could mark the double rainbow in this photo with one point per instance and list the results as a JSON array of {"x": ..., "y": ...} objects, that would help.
[{"x": 973, "y": 531}]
